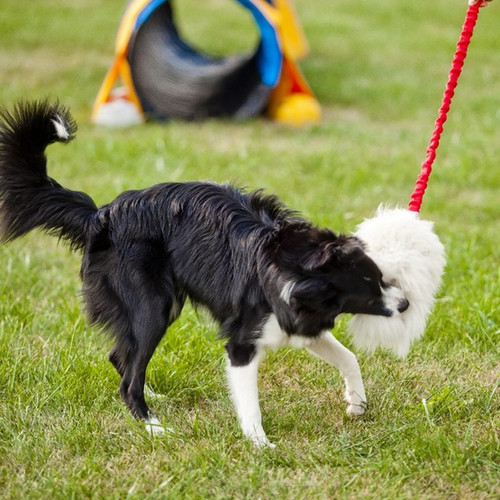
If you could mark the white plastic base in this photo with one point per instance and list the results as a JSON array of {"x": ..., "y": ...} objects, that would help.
[{"x": 118, "y": 112}]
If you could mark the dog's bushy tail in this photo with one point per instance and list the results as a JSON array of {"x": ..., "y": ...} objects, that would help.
[{"x": 28, "y": 197}]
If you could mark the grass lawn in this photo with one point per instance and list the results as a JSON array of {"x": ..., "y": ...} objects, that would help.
[{"x": 379, "y": 69}]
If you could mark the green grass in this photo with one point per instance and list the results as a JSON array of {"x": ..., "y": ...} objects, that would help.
[{"x": 379, "y": 70}]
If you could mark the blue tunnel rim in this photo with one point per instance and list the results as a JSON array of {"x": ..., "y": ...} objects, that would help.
[{"x": 269, "y": 52}]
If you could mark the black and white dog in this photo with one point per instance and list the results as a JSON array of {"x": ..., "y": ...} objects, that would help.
[{"x": 268, "y": 277}]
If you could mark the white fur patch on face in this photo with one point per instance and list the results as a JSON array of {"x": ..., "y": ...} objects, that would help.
[
  {"x": 61, "y": 130},
  {"x": 411, "y": 257}
]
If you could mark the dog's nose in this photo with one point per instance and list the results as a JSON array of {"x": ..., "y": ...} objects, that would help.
[{"x": 403, "y": 305}]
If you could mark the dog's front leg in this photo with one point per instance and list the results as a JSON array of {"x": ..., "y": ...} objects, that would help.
[
  {"x": 242, "y": 381},
  {"x": 328, "y": 348}
]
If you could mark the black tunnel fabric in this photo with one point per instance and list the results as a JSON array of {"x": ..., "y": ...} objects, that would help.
[{"x": 173, "y": 80}]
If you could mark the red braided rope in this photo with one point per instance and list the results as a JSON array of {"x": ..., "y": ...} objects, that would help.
[{"x": 456, "y": 69}]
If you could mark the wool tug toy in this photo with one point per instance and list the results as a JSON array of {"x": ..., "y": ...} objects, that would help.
[
  {"x": 404, "y": 246},
  {"x": 164, "y": 77}
]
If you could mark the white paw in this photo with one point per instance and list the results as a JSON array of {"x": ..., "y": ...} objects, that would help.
[
  {"x": 357, "y": 403},
  {"x": 262, "y": 442},
  {"x": 354, "y": 410},
  {"x": 153, "y": 426},
  {"x": 258, "y": 437}
]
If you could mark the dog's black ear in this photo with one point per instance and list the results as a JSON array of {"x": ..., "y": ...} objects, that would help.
[
  {"x": 319, "y": 256},
  {"x": 334, "y": 251},
  {"x": 308, "y": 249},
  {"x": 350, "y": 249}
]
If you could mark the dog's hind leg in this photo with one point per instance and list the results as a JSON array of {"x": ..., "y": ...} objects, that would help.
[
  {"x": 121, "y": 352},
  {"x": 150, "y": 320},
  {"x": 328, "y": 348},
  {"x": 129, "y": 290}
]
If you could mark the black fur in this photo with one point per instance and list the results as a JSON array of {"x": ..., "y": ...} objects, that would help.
[{"x": 147, "y": 251}]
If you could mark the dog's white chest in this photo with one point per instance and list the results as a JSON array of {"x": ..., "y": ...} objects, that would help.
[{"x": 273, "y": 336}]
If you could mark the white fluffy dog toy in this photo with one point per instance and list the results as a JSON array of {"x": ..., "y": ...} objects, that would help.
[
  {"x": 411, "y": 257},
  {"x": 405, "y": 247}
]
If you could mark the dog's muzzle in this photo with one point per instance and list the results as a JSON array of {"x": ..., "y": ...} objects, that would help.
[
  {"x": 403, "y": 305},
  {"x": 395, "y": 301}
]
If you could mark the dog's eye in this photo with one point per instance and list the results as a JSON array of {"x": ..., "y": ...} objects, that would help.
[{"x": 368, "y": 279}]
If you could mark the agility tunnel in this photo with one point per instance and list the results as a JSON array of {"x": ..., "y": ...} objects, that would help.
[{"x": 164, "y": 77}]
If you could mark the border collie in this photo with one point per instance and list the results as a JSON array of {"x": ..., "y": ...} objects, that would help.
[{"x": 267, "y": 276}]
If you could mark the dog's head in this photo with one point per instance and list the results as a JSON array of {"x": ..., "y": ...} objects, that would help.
[{"x": 327, "y": 275}]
